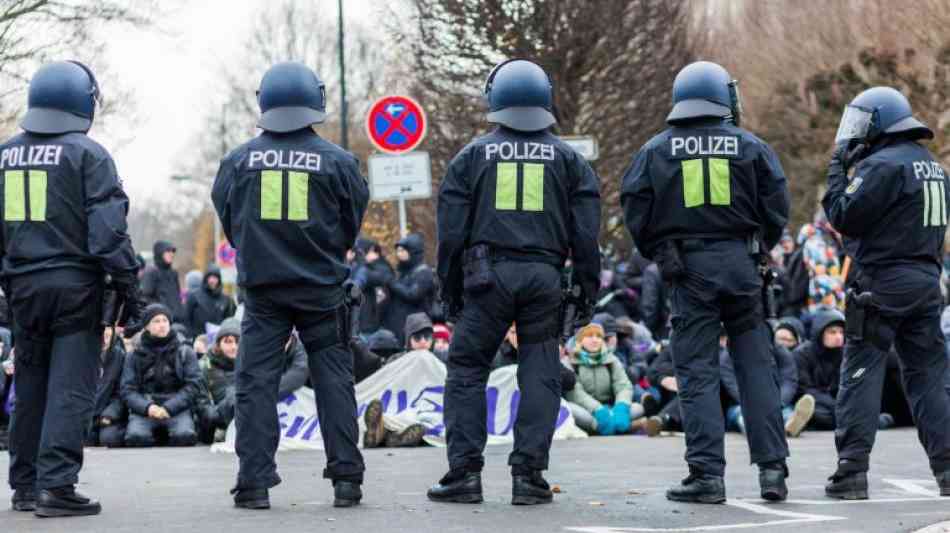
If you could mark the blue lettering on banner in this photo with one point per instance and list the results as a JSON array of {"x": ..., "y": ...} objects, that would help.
[{"x": 428, "y": 400}]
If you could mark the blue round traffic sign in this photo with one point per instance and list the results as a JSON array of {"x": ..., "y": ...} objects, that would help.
[{"x": 396, "y": 124}]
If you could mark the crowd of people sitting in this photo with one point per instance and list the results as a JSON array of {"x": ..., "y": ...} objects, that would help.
[{"x": 173, "y": 383}]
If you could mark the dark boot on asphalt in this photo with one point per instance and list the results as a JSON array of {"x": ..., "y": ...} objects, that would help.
[
  {"x": 458, "y": 487},
  {"x": 530, "y": 489},
  {"x": 373, "y": 418},
  {"x": 64, "y": 501},
  {"x": 251, "y": 498},
  {"x": 346, "y": 493},
  {"x": 847, "y": 486},
  {"x": 24, "y": 500},
  {"x": 943, "y": 481},
  {"x": 772, "y": 482},
  {"x": 698, "y": 488}
]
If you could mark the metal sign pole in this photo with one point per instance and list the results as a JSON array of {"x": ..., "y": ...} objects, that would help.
[{"x": 402, "y": 217}]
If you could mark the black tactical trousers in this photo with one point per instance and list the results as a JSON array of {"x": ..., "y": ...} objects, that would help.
[
  {"x": 909, "y": 319},
  {"x": 721, "y": 284},
  {"x": 529, "y": 294},
  {"x": 270, "y": 315},
  {"x": 56, "y": 323}
]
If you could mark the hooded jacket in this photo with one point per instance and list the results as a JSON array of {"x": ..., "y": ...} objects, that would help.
[
  {"x": 819, "y": 368},
  {"x": 207, "y": 305},
  {"x": 413, "y": 290},
  {"x": 370, "y": 276},
  {"x": 162, "y": 372},
  {"x": 160, "y": 282},
  {"x": 794, "y": 325}
]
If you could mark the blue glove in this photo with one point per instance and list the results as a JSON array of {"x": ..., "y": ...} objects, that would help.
[
  {"x": 620, "y": 415},
  {"x": 605, "y": 425}
]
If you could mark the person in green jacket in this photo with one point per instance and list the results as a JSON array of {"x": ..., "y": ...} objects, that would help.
[{"x": 602, "y": 400}]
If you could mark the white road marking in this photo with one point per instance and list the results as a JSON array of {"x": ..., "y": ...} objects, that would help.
[
  {"x": 791, "y": 518},
  {"x": 913, "y": 486}
]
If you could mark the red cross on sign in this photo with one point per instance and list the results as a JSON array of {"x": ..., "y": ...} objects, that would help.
[{"x": 396, "y": 124}]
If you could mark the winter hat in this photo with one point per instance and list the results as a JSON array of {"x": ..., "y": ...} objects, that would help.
[
  {"x": 608, "y": 322},
  {"x": 153, "y": 310},
  {"x": 229, "y": 328},
  {"x": 590, "y": 329},
  {"x": 383, "y": 343},
  {"x": 441, "y": 331},
  {"x": 417, "y": 323}
]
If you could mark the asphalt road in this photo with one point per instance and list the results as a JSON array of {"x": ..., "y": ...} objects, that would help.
[{"x": 607, "y": 485}]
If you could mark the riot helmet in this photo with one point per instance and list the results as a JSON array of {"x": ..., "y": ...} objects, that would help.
[
  {"x": 705, "y": 90},
  {"x": 291, "y": 97},
  {"x": 62, "y": 98},
  {"x": 878, "y": 111},
  {"x": 520, "y": 96}
]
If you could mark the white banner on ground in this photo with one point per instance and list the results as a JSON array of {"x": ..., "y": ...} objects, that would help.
[{"x": 411, "y": 390}]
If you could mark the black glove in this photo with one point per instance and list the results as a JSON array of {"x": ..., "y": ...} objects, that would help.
[
  {"x": 843, "y": 157},
  {"x": 131, "y": 303}
]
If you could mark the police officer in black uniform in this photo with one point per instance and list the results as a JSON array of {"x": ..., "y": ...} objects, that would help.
[
  {"x": 64, "y": 229},
  {"x": 292, "y": 204},
  {"x": 704, "y": 199},
  {"x": 894, "y": 204},
  {"x": 513, "y": 206}
]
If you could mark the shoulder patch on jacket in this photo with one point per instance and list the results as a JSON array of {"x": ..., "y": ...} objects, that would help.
[{"x": 854, "y": 185}]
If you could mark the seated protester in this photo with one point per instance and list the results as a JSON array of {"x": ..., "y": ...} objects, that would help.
[
  {"x": 508, "y": 355},
  {"x": 200, "y": 346},
  {"x": 508, "y": 351},
  {"x": 795, "y": 415},
  {"x": 418, "y": 336},
  {"x": 160, "y": 384},
  {"x": 371, "y": 355},
  {"x": 662, "y": 375},
  {"x": 441, "y": 340},
  {"x": 218, "y": 371},
  {"x": 789, "y": 332},
  {"x": 819, "y": 366},
  {"x": 110, "y": 415},
  {"x": 609, "y": 323},
  {"x": 602, "y": 399},
  {"x": 296, "y": 372},
  {"x": 207, "y": 304},
  {"x": 183, "y": 336}
]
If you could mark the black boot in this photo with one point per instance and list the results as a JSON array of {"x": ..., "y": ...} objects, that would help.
[
  {"x": 698, "y": 488},
  {"x": 24, "y": 500},
  {"x": 64, "y": 501},
  {"x": 943, "y": 481},
  {"x": 346, "y": 493},
  {"x": 530, "y": 489},
  {"x": 772, "y": 481},
  {"x": 845, "y": 485},
  {"x": 458, "y": 487},
  {"x": 251, "y": 498}
]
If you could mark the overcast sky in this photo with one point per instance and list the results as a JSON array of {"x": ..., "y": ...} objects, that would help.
[{"x": 172, "y": 72}]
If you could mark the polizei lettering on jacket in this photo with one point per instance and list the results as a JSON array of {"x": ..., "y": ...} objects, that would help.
[
  {"x": 704, "y": 145},
  {"x": 519, "y": 150},
  {"x": 31, "y": 156},
  {"x": 284, "y": 159}
]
